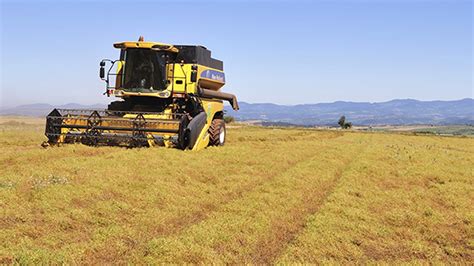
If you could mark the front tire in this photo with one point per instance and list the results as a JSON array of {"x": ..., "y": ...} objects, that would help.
[{"x": 217, "y": 133}]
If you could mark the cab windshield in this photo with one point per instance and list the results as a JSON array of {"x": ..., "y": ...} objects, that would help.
[{"x": 144, "y": 70}]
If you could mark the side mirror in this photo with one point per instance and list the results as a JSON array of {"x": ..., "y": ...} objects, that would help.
[
  {"x": 102, "y": 70},
  {"x": 194, "y": 73}
]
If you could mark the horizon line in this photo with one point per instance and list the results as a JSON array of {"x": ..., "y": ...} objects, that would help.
[{"x": 338, "y": 101}]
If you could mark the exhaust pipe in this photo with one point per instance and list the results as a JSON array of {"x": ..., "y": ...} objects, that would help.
[{"x": 206, "y": 93}]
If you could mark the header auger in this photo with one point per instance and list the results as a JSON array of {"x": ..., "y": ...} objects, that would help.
[{"x": 170, "y": 96}]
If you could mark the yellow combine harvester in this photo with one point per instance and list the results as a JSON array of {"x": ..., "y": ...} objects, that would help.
[{"x": 170, "y": 97}]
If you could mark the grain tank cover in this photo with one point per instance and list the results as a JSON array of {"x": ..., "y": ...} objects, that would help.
[{"x": 196, "y": 54}]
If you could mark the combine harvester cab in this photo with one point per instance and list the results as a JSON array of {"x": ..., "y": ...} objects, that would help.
[{"x": 170, "y": 96}]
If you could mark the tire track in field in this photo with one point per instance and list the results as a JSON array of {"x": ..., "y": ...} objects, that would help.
[
  {"x": 284, "y": 231},
  {"x": 176, "y": 225},
  {"x": 234, "y": 232}
]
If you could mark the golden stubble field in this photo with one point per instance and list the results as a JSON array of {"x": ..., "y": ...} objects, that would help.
[{"x": 268, "y": 196}]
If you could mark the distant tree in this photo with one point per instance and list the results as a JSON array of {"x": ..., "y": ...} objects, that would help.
[
  {"x": 343, "y": 124},
  {"x": 342, "y": 121},
  {"x": 229, "y": 119}
]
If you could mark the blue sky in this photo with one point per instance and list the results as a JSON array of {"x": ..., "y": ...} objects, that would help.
[{"x": 286, "y": 52}]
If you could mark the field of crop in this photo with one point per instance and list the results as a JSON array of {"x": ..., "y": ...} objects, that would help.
[{"x": 268, "y": 196}]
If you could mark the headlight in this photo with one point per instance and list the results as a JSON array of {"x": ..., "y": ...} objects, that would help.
[{"x": 164, "y": 94}]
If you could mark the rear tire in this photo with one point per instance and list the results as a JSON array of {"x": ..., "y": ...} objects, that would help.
[{"x": 217, "y": 133}]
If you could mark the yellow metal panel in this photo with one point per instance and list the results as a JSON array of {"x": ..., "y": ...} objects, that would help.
[
  {"x": 179, "y": 74},
  {"x": 118, "y": 78},
  {"x": 161, "y": 94},
  {"x": 146, "y": 45}
]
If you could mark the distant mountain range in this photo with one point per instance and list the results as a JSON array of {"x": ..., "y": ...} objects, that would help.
[
  {"x": 42, "y": 109},
  {"x": 395, "y": 112}
]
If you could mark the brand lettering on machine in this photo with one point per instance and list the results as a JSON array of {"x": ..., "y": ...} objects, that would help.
[{"x": 214, "y": 75}]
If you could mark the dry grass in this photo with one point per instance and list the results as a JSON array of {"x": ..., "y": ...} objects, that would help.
[{"x": 268, "y": 196}]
